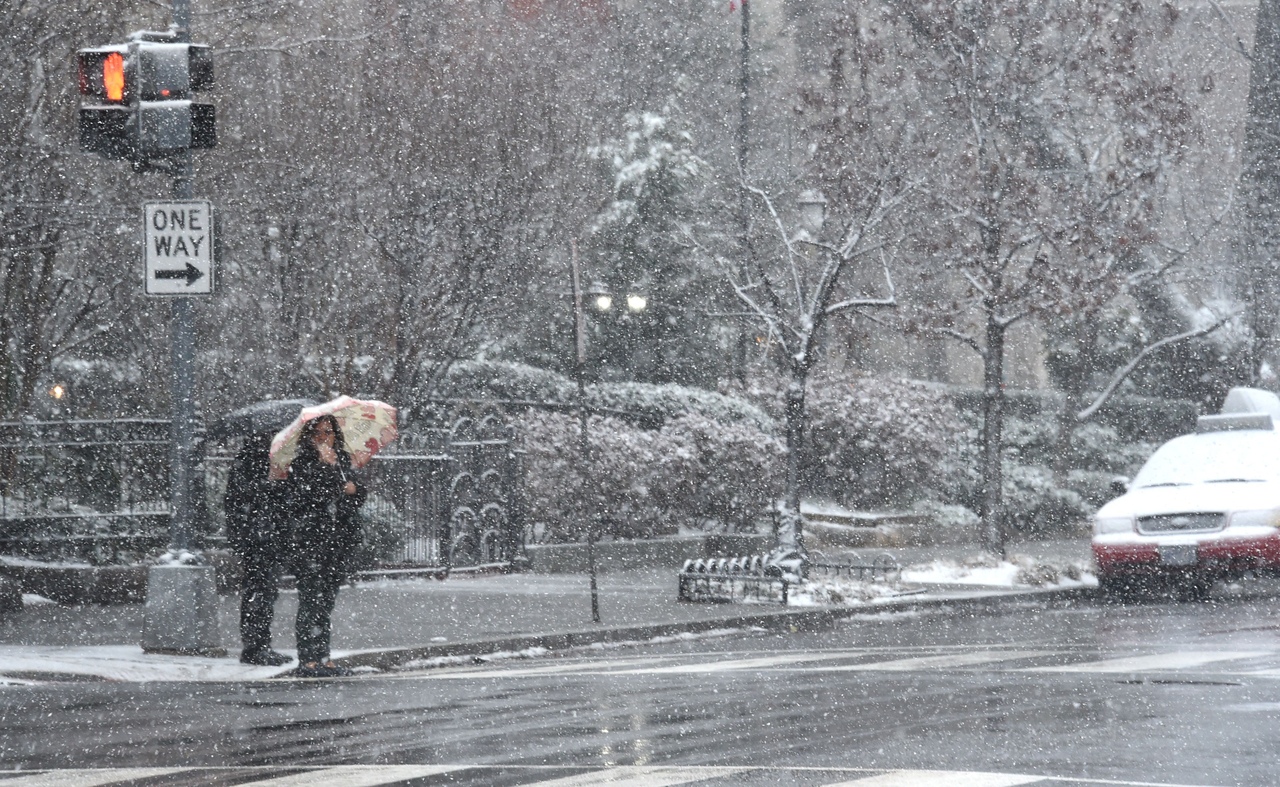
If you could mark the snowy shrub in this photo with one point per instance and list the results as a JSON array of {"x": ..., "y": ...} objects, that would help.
[
  {"x": 739, "y": 470},
  {"x": 645, "y": 482},
  {"x": 649, "y": 403},
  {"x": 879, "y": 442},
  {"x": 1101, "y": 448},
  {"x": 1033, "y": 502},
  {"x": 663, "y": 401},
  {"x": 636, "y": 480},
  {"x": 1094, "y": 487},
  {"x": 1035, "y": 498},
  {"x": 1030, "y": 441},
  {"x": 512, "y": 381},
  {"x": 946, "y": 515}
]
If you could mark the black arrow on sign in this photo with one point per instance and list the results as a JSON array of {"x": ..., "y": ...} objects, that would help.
[{"x": 191, "y": 274}]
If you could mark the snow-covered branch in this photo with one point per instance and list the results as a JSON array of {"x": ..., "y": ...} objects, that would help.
[
  {"x": 1123, "y": 372},
  {"x": 854, "y": 303}
]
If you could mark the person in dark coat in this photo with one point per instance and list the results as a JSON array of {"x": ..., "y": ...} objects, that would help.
[
  {"x": 255, "y": 532},
  {"x": 325, "y": 498}
]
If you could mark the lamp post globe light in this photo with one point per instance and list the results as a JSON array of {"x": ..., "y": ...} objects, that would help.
[{"x": 812, "y": 205}]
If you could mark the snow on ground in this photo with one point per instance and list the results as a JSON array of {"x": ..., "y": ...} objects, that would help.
[
  {"x": 978, "y": 573},
  {"x": 841, "y": 592},
  {"x": 1017, "y": 572}
]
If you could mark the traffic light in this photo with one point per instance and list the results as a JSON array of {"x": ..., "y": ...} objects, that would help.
[{"x": 138, "y": 97}]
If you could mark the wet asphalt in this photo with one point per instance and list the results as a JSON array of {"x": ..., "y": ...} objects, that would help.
[{"x": 1154, "y": 691}]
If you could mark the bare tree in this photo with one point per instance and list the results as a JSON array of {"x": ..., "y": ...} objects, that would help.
[
  {"x": 795, "y": 291},
  {"x": 1060, "y": 133},
  {"x": 54, "y": 291}
]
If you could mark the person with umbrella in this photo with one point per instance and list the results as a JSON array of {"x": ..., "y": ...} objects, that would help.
[
  {"x": 325, "y": 498},
  {"x": 254, "y": 507},
  {"x": 316, "y": 454}
]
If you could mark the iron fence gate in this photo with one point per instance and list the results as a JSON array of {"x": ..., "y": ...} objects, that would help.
[{"x": 448, "y": 496}]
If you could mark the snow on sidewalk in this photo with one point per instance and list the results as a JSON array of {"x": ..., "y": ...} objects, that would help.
[{"x": 21, "y": 664}]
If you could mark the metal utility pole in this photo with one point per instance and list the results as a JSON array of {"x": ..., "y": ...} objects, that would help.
[{"x": 584, "y": 447}]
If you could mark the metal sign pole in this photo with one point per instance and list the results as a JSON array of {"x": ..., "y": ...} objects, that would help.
[
  {"x": 182, "y": 357},
  {"x": 182, "y": 598}
]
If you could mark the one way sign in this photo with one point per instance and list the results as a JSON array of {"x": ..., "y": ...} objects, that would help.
[{"x": 179, "y": 254}]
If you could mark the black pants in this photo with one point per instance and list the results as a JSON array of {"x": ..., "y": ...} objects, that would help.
[
  {"x": 259, "y": 587},
  {"x": 318, "y": 582}
]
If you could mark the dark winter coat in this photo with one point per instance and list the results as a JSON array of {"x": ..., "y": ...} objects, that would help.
[
  {"x": 326, "y": 528},
  {"x": 254, "y": 504}
]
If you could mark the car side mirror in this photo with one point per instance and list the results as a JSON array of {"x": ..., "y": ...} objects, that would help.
[{"x": 1119, "y": 485}]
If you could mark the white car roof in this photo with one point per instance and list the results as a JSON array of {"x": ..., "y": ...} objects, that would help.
[{"x": 1246, "y": 454}]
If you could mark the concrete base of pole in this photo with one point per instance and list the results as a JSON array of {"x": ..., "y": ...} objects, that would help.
[{"x": 182, "y": 612}]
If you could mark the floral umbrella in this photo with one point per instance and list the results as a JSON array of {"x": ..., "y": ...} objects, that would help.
[{"x": 367, "y": 426}]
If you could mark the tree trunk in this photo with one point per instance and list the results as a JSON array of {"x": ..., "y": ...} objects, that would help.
[
  {"x": 992, "y": 427},
  {"x": 791, "y": 535},
  {"x": 1083, "y": 331}
]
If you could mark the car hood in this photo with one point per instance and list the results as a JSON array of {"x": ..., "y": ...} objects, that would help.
[{"x": 1153, "y": 501}]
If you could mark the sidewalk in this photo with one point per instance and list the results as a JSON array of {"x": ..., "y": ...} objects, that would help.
[{"x": 386, "y": 623}]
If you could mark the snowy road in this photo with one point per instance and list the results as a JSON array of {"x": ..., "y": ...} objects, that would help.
[{"x": 1069, "y": 693}]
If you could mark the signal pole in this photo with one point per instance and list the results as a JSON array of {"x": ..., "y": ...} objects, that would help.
[
  {"x": 182, "y": 349},
  {"x": 182, "y": 596}
]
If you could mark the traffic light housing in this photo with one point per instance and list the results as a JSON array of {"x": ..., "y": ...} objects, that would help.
[{"x": 138, "y": 101}]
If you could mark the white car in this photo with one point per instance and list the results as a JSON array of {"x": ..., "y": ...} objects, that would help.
[{"x": 1204, "y": 507}]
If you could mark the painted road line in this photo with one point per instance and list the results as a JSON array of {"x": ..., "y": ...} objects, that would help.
[
  {"x": 1178, "y": 660},
  {"x": 89, "y": 777},
  {"x": 939, "y": 662},
  {"x": 353, "y": 776},
  {"x": 941, "y": 779},
  {"x": 499, "y": 670},
  {"x": 640, "y": 777},
  {"x": 763, "y": 662}
]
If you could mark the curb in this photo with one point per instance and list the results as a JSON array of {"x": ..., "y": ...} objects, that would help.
[{"x": 784, "y": 619}]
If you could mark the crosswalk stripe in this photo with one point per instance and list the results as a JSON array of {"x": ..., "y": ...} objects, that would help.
[
  {"x": 940, "y": 779},
  {"x": 1177, "y": 660},
  {"x": 89, "y": 777},
  {"x": 618, "y": 776},
  {"x": 940, "y": 662},
  {"x": 639, "y": 776},
  {"x": 353, "y": 776}
]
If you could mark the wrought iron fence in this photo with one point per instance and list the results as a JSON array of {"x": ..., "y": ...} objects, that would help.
[
  {"x": 98, "y": 491},
  {"x": 95, "y": 491}
]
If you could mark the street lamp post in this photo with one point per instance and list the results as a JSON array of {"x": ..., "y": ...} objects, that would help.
[{"x": 603, "y": 301}]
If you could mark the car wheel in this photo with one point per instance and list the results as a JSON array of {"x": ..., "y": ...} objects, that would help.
[
  {"x": 1115, "y": 587},
  {"x": 1193, "y": 588}
]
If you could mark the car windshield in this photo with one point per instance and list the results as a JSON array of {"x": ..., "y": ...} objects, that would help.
[{"x": 1217, "y": 457}]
